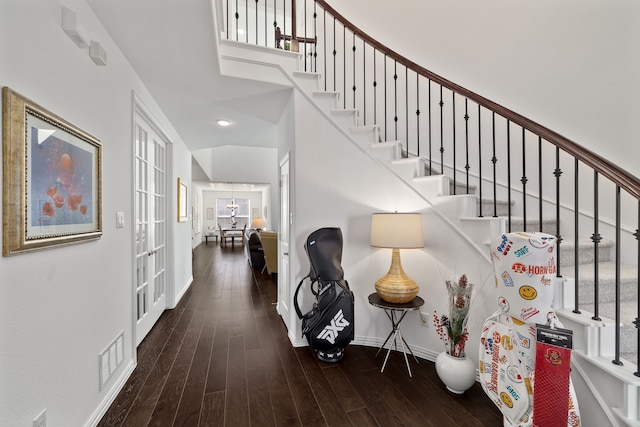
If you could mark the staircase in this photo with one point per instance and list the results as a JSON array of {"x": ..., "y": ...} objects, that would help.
[{"x": 594, "y": 340}]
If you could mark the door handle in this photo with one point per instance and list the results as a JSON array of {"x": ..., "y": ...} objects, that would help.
[{"x": 285, "y": 253}]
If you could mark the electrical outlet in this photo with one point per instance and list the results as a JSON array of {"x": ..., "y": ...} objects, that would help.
[
  {"x": 41, "y": 420},
  {"x": 424, "y": 319}
]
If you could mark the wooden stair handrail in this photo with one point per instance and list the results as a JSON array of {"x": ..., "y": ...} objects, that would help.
[{"x": 613, "y": 172}]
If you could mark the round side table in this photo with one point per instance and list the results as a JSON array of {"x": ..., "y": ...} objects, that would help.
[{"x": 396, "y": 313}]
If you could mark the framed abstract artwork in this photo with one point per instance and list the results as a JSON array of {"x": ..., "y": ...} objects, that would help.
[{"x": 52, "y": 179}]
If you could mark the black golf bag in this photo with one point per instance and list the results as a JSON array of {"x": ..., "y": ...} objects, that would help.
[{"x": 329, "y": 326}]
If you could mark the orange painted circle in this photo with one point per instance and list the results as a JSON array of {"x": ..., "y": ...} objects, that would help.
[{"x": 65, "y": 162}]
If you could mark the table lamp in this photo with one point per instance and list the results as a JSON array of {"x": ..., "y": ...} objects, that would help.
[
  {"x": 396, "y": 231},
  {"x": 258, "y": 224}
]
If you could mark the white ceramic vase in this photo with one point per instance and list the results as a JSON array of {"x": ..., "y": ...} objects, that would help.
[{"x": 457, "y": 373}]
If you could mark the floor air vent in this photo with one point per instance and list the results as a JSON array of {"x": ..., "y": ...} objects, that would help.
[{"x": 111, "y": 358}]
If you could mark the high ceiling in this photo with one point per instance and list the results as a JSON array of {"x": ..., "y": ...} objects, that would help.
[{"x": 171, "y": 45}]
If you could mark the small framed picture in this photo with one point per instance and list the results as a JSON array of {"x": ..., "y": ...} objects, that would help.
[{"x": 183, "y": 213}]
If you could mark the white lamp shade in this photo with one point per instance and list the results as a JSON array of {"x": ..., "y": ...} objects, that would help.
[
  {"x": 397, "y": 230},
  {"x": 258, "y": 224}
]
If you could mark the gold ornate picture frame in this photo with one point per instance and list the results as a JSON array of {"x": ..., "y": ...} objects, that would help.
[{"x": 52, "y": 179}]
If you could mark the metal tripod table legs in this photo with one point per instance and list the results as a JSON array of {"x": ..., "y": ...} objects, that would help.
[{"x": 396, "y": 313}]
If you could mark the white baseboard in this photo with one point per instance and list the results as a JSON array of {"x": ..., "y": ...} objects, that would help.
[{"x": 111, "y": 395}]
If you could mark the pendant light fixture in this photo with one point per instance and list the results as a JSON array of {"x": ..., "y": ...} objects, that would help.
[{"x": 233, "y": 206}]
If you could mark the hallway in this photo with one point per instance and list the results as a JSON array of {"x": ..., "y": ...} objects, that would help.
[{"x": 222, "y": 358}]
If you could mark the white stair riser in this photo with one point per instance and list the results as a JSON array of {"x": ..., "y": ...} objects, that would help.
[
  {"x": 345, "y": 118},
  {"x": 328, "y": 101},
  {"x": 365, "y": 135},
  {"x": 309, "y": 82},
  {"x": 386, "y": 151},
  {"x": 408, "y": 168},
  {"x": 432, "y": 186}
]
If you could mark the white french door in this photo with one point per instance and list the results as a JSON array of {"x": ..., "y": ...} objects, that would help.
[
  {"x": 284, "y": 290},
  {"x": 151, "y": 227}
]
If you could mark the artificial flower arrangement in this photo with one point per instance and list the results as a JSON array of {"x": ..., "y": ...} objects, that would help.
[{"x": 452, "y": 329}]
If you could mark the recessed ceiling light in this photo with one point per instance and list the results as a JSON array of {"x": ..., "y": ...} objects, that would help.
[{"x": 223, "y": 122}]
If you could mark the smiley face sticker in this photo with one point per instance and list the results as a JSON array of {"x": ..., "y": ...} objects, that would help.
[
  {"x": 506, "y": 399},
  {"x": 528, "y": 292}
]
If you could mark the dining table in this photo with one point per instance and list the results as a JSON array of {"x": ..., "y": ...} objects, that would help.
[{"x": 230, "y": 232}]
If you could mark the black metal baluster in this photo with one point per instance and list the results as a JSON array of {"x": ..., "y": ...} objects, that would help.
[
  {"x": 636, "y": 322},
  {"x": 315, "y": 37},
  {"x": 237, "y": 15},
  {"x": 441, "y": 103},
  {"x": 335, "y": 52},
  {"x": 384, "y": 123},
  {"x": 524, "y": 181},
  {"x": 596, "y": 238},
  {"x": 305, "y": 35},
  {"x": 616, "y": 360},
  {"x": 364, "y": 83},
  {"x": 558, "y": 173},
  {"x": 479, "y": 161},
  {"x": 354, "y": 70},
  {"x": 375, "y": 86},
  {"x": 265, "y": 24},
  {"x": 395, "y": 102},
  {"x": 257, "y": 21},
  {"x": 344, "y": 67},
  {"x": 246, "y": 21},
  {"x": 417, "y": 113},
  {"x": 494, "y": 160},
  {"x": 576, "y": 233},
  {"x": 509, "y": 225},
  {"x": 540, "y": 182},
  {"x": 275, "y": 24},
  {"x": 324, "y": 47},
  {"x": 430, "y": 141},
  {"x": 406, "y": 109},
  {"x": 466, "y": 141},
  {"x": 453, "y": 107}
]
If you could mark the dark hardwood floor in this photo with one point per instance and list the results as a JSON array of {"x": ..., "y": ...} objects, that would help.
[{"x": 222, "y": 358}]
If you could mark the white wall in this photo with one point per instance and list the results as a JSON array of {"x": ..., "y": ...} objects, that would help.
[
  {"x": 572, "y": 66},
  {"x": 182, "y": 259},
  {"x": 60, "y": 308}
]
